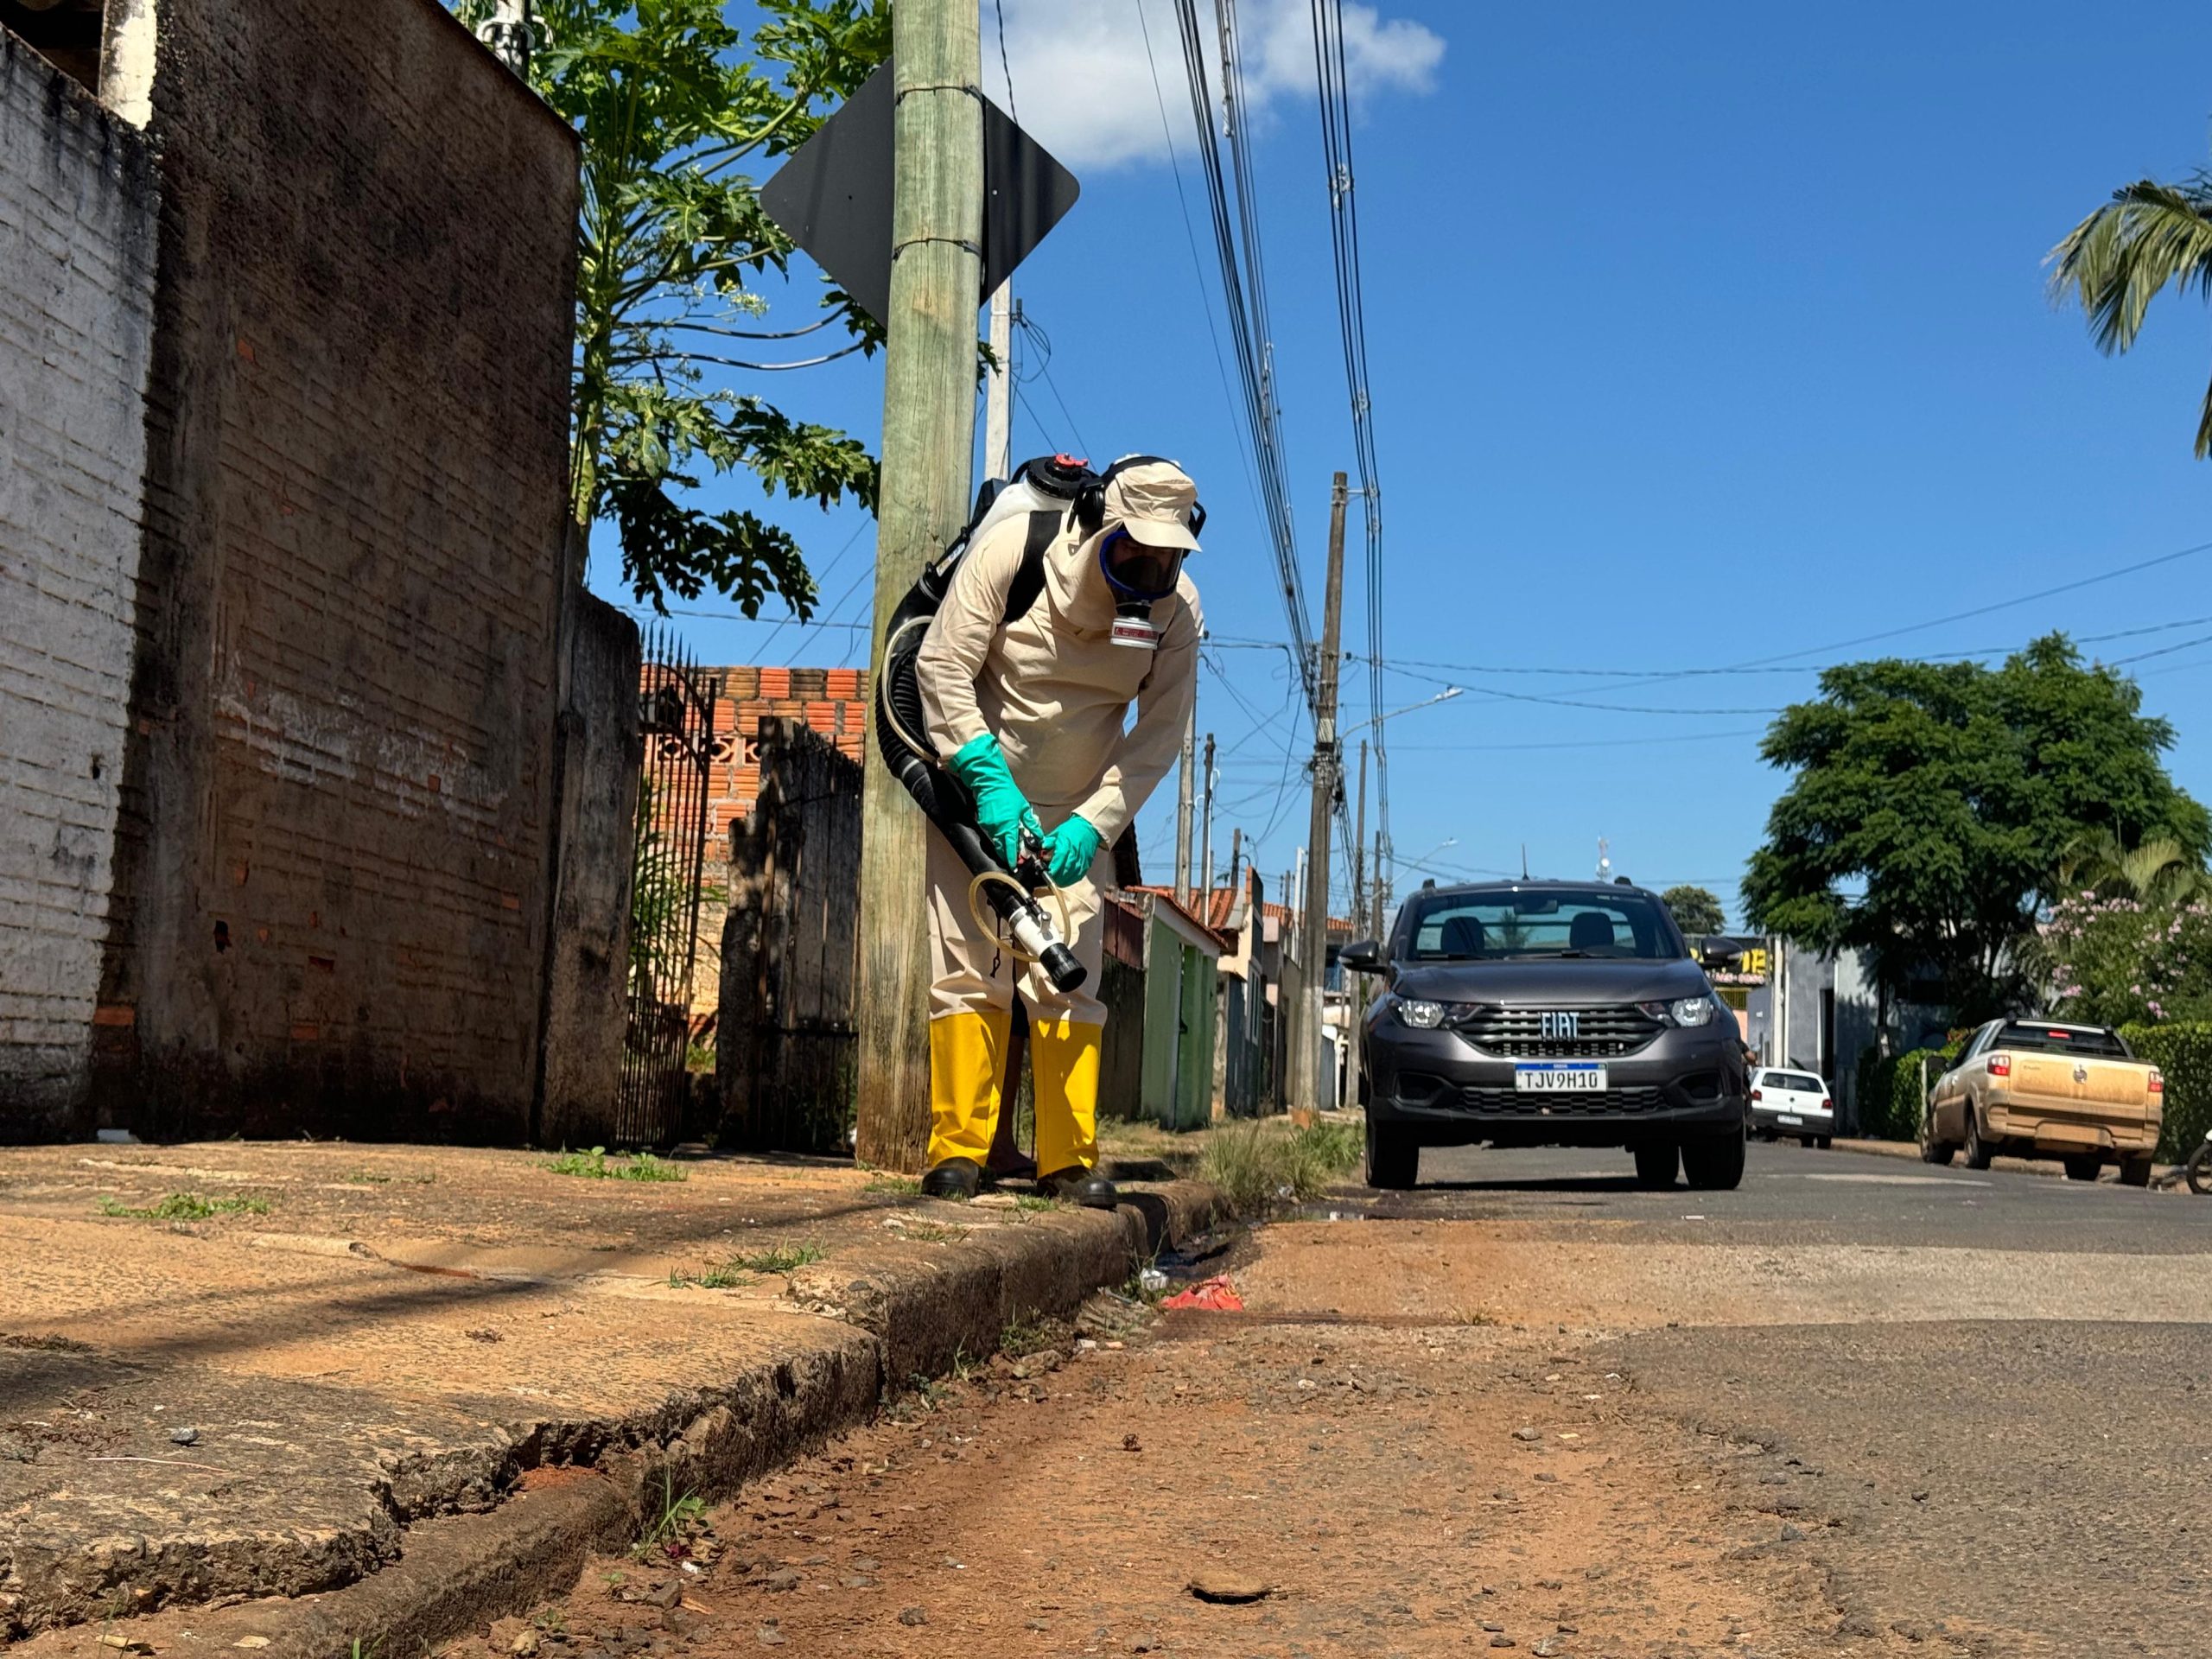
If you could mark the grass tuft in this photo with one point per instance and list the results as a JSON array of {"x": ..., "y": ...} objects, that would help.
[
  {"x": 900, "y": 1184},
  {"x": 1260, "y": 1167},
  {"x": 596, "y": 1165},
  {"x": 778, "y": 1258},
  {"x": 186, "y": 1206}
]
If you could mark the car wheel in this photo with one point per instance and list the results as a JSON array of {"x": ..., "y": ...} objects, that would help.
[
  {"x": 1656, "y": 1161},
  {"x": 1978, "y": 1150},
  {"x": 2084, "y": 1166},
  {"x": 1809, "y": 1141},
  {"x": 2135, "y": 1172},
  {"x": 1824, "y": 1141},
  {"x": 1932, "y": 1151},
  {"x": 1393, "y": 1157},
  {"x": 1713, "y": 1163}
]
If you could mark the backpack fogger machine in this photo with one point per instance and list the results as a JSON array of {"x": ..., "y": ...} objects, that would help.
[{"x": 1020, "y": 905}]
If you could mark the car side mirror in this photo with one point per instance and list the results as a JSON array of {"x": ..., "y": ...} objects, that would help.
[{"x": 1361, "y": 957}]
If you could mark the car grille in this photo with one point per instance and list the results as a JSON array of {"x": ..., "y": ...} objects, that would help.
[
  {"x": 1512, "y": 1102},
  {"x": 1621, "y": 1028}
]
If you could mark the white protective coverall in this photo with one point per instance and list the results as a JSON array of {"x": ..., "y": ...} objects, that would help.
[{"x": 1055, "y": 690}]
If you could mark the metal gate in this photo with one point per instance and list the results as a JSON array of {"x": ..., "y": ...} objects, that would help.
[{"x": 675, "y": 717}]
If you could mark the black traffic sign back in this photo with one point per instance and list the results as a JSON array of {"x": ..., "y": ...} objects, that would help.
[{"x": 833, "y": 197}]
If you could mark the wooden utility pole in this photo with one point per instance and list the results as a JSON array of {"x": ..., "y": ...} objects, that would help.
[
  {"x": 1359, "y": 848},
  {"x": 1184, "y": 789},
  {"x": 929, "y": 442},
  {"x": 1309, "y": 1089},
  {"x": 1205, "y": 842}
]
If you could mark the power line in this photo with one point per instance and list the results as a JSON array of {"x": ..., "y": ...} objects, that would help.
[
  {"x": 1198, "y": 272},
  {"x": 1984, "y": 610},
  {"x": 1247, "y": 337},
  {"x": 999, "y": 6},
  {"x": 1333, "y": 86}
]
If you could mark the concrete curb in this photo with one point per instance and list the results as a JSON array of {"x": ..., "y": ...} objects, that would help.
[
  {"x": 885, "y": 1318},
  {"x": 1910, "y": 1149}
]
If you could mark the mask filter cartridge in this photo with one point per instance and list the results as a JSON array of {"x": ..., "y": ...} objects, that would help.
[{"x": 1133, "y": 626}]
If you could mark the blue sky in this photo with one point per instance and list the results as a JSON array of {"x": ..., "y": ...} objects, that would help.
[{"x": 1698, "y": 335}]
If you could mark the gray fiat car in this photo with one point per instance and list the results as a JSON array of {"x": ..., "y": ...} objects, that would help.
[{"x": 1549, "y": 1013}]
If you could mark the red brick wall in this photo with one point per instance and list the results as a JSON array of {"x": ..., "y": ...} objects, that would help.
[{"x": 833, "y": 700}]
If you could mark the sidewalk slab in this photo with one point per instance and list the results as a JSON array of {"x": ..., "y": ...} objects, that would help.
[
  {"x": 2160, "y": 1173},
  {"x": 385, "y": 1347}
]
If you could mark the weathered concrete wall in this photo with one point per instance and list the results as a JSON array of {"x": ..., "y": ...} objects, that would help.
[
  {"x": 585, "y": 1000},
  {"x": 78, "y": 199},
  {"x": 338, "y": 813}
]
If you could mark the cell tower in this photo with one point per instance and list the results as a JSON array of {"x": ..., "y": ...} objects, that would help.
[{"x": 1605, "y": 860}]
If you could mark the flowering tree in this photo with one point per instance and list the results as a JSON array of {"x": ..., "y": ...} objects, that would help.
[{"x": 2106, "y": 961}]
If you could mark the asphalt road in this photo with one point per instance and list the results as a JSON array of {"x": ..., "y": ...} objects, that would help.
[
  {"x": 2045, "y": 1481},
  {"x": 1858, "y": 1406},
  {"x": 1791, "y": 1195}
]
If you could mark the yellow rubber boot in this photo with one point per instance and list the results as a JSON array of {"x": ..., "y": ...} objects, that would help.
[
  {"x": 1064, "y": 1063},
  {"x": 967, "y": 1057}
]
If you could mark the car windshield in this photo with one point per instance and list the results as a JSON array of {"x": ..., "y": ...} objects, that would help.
[
  {"x": 1518, "y": 923},
  {"x": 2026, "y": 1036}
]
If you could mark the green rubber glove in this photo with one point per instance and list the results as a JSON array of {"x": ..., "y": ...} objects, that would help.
[
  {"x": 1070, "y": 849},
  {"x": 1002, "y": 811}
]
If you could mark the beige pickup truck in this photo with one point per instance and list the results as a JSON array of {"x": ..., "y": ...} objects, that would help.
[{"x": 2040, "y": 1088}]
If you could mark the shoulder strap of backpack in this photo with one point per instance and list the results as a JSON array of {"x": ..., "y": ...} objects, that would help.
[{"x": 1029, "y": 579}]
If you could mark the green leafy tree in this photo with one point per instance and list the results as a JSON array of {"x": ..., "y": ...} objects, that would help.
[
  {"x": 675, "y": 109},
  {"x": 1695, "y": 910},
  {"x": 1933, "y": 805},
  {"x": 2115, "y": 262}
]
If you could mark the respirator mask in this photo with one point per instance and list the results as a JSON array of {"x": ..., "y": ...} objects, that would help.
[{"x": 1140, "y": 574}]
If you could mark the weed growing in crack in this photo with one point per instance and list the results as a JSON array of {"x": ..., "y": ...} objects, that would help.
[
  {"x": 678, "y": 1515},
  {"x": 725, "y": 1277},
  {"x": 776, "y": 1258},
  {"x": 596, "y": 1165},
  {"x": 931, "y": 1232},
  {"x": 185, "y": 1207}
]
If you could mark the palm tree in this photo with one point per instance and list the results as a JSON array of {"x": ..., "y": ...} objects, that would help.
[
  {"x": 2159, "y": 872},
  {"x": 2115, "y": 260}
]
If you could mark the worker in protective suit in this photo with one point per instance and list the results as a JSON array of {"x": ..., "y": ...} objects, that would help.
[{"x": 1031, "y": 716}]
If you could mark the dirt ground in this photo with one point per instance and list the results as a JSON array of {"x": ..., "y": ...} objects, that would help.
[{"x": 1395, "y": 1487}]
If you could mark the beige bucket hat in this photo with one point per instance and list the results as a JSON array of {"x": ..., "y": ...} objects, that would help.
[{"x": 1152, "y": 500}]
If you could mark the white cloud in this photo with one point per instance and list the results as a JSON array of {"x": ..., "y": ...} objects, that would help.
[{"x": 1084, "y": 81}]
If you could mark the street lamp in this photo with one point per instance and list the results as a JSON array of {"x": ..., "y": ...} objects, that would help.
[{"x": 1445, "y": 695}]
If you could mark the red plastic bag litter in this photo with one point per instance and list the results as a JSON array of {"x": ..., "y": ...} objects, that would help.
[{"x": 1216, "y": 1295}]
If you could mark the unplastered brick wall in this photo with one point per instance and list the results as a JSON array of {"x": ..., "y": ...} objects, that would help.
[
  {"x": 335, "y": 851},
  {"x": 77, "y": 238},
  {"x": 832, "y": 701}
]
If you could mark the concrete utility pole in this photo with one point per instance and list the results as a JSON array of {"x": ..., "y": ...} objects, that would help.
[
  {"x": 1184, "y": 789},
  {"x": 1205, "y": 841},
  {"x": 929, "y": 445},
  {"x": 1374, "y": 894},
  {"x": 998, "y": 392},
  {"x": 1359, "y": 847},
  {"x": 1309, "y": 1089}
]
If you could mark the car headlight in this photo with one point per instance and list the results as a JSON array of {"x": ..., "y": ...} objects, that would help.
[
  {"x": 1421, "y": 1016},
  {"x": 1682, "y": 1011}
]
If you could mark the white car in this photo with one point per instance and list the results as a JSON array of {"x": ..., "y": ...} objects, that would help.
[{"x": 1791, "y": 1103}]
